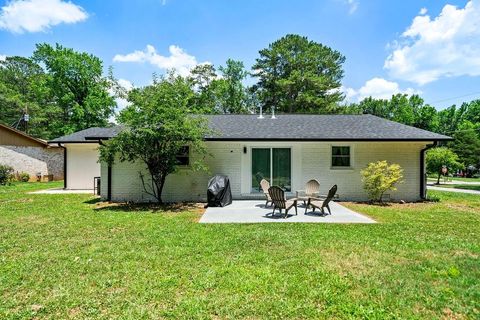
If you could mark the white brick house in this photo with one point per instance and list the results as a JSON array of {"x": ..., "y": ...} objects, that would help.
[{"x": 288, "y": 151}]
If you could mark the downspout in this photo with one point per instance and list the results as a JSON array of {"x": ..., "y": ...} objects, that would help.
[
  {"x": 109, "y": 178},
  {"x": 64, "y": 165},
  {"x": 423, "y": 174}
]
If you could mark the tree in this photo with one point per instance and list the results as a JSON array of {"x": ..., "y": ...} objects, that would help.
[
  {"x": 439, "y": 157},
  {"x": 379, "y": 177},
  {"x": 77, "y": 88},
  {"x": 23, "y": 91},
  {"x": 159, "y": 125},
  {"x": 231, "y": 91},
  {"x": 203, "y": 78},
  {"x": 466, "y": 144},
  {"x": 298, "y": 75}
]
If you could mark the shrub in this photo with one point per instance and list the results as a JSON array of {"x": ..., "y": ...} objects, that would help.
[
  {"x": 6, "y": 174},
  {"x": 379, "y": 177},
  {"x": 23, "y": 177}
]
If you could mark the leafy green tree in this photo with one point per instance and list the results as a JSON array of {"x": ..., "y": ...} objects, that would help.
[
  {"x": 439, "y": 157},
  {"x": 379, "y": 177},
  {"x": 23, "y": 91},
  {"x": 77, "y": 87},
  {"x": 298, "y": 75},
  {"x": 203, "y": 78},
  {"x": 466, "y": 143},
  {"x": 231, "y": 91},
  {"x": 409, "y": 110},
  {"x": 159, "y": 124}
]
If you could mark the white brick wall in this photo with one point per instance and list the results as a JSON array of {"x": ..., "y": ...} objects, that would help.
[
  {"x": 33, "y": 160},
  {"x": 309, "y": 161}
]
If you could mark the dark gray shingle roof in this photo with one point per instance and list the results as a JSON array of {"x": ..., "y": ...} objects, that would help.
[
  {"x": 314, "y": 127},
  {"x": 89, "y": 135},
  {"x": 290, "y": 127}
]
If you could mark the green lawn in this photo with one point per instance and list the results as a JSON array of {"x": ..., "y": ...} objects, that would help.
[
  {"x": 460, "y": 186},
  {"x": 455, "y": 179},
  {"x": 64, "y": 256}
]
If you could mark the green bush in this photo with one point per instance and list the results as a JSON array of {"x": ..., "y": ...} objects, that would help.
[
  {"x": 379, "y": 177},
  {"x": 6, "y": 175},
  {"x": 23, "y": 177}
]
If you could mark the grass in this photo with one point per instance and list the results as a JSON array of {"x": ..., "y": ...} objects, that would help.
[
  {"x": 455, "y": 179},
  {"x": 460, "y": 186},
  {"x": 68, "y": 257}
]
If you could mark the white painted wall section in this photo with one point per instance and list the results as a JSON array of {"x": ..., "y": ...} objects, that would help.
[{"x": 82, "y": 165}]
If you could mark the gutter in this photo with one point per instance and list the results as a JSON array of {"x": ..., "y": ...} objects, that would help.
[
  {"x": 423, "y": 174},
  {"x": 109, "y": 178},
  {"x": 64, "y": 165}
]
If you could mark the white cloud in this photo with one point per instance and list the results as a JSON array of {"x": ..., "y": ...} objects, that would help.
[
  {"x": 121, "y": 102},
  {"x": 378, "y": 88},
  {"x": 3, "y": 57},
  {"x": 439, "y": 47},
  {"x": 352, "y": 5},
  {"x": 423, "y": 11},
  {"x": 178, "y": 60},
  {"x": 20, "y": 16}
]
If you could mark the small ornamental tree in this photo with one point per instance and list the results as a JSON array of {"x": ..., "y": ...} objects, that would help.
[
  {"x": 159, "y": 124},
  {"x": 439, "y": 157},
  {"x": 6, "y": 174},
  {"x": 379, "y": 177}
]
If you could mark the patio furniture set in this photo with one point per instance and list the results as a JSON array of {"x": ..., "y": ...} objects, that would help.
[{"x": 310, "y": 196}]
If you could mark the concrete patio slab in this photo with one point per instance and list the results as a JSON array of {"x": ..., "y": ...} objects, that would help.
[
  {"x": 254, "y": 211},
  {"x": 62, "y": 191}
]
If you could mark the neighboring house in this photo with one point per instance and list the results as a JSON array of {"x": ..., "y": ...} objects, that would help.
[
  {"x": 31, "y": 155},
  {"x": 288, "y": 151},
  {"x": 81, "y": 156}
]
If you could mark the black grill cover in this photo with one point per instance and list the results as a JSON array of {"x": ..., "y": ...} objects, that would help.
[{"x": 219, "y": 193}]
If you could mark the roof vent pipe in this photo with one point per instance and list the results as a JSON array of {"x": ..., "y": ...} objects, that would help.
[
  {"x": 273, "y": 112},
  {"x": 261, "y": 113}
]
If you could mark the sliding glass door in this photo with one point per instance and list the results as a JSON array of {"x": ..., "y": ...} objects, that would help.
[{"x": 272, "y": 164}]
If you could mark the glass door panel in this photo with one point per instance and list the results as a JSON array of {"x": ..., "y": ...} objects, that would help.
[
  {"x": 260, "y": 167},
  {"x": 281, "y": 164}
]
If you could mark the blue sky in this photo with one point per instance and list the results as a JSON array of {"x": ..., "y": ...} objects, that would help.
[{"x": 426, "y": 47}]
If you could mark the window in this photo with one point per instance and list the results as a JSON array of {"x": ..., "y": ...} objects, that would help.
[
  {"x": 272, "y": 164},
  {"x": 183, "y": 156},
  {"x": 340, "y": 156}
]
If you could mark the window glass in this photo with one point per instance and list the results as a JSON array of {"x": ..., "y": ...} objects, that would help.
[
  {"x": 341, "y": 156},
  {"x": 183, "y": 156}
]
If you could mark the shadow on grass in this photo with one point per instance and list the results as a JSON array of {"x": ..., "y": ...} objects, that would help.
[
  {"x": 148, "y": 207},
  {"x": 93, "y": 201}
]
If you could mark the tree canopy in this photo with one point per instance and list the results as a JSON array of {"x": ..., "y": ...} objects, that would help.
[
  {"x": 160, "y": 123},
  {"x": 439, "y": 157},
  {"x": 297, "y": 75}
]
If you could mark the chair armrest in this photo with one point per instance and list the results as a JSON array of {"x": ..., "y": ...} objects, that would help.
[{"x": 298, "y": 192}]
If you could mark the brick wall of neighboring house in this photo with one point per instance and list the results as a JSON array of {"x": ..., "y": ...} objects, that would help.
[{"x": 33, "y": 160}]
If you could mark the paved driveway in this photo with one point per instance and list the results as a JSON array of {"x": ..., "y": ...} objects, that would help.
[{"x": 254, "y": 211}]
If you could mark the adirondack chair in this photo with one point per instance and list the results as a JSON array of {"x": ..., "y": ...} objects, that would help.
[
  {"x": 265, "y": 186},
  {"x": 319, "y": 203},
  {"x": 312, "y": 190},
  {"x": 279, "y": 202}
]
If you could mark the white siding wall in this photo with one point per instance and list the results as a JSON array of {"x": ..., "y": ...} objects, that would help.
[
  {"x": 316, "y": 164},
  {"x": 82, "y": 165},
  {"x": 309, "y": 161},
  {"x": 185, "y": 185}
]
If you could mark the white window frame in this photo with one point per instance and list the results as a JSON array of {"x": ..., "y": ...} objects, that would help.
[{"x": 351, "y": 166}]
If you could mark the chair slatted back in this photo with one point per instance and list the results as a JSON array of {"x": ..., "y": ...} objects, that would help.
[
  {"x": 265, "y": 185},
  {"x": 278, "y": 197},
  {"x": 330, "y": 195},
  {"x": 312, "y": 187}
]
